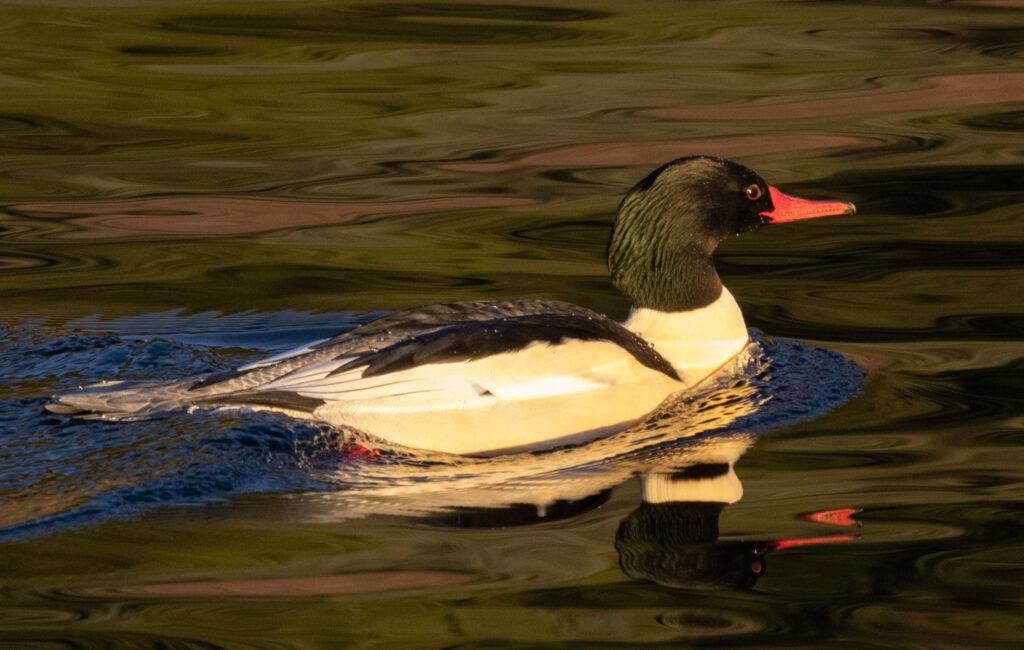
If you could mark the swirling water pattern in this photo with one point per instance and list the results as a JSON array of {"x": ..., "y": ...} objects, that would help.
[{"x": 191, "y": 186}]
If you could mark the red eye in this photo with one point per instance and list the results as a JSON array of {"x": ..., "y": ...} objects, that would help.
[{"x": 753, "y": 192}]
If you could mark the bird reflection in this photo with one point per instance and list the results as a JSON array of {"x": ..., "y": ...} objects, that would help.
[{"x": 672, "y": 537}]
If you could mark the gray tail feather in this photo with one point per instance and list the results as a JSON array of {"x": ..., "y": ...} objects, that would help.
[{"x": 121, "y": 400}]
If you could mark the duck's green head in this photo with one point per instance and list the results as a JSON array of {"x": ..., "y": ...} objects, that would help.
[{"x": 670, "y": 223}]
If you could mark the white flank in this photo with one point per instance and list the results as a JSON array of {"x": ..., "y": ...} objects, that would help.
[{"x": 540, "y": 396}]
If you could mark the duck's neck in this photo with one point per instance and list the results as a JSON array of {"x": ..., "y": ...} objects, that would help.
[
  {"x": 664, "y": 274},
  {"x": 696, "y": 341}
]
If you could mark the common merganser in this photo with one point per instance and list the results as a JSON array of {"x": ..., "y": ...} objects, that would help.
[{"x": 490, "y": 377}]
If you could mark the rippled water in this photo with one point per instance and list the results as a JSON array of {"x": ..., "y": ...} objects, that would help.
[{"x": 189, "y": 187}]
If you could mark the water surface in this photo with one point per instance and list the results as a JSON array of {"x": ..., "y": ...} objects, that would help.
[{"x": 188, "y": 187}]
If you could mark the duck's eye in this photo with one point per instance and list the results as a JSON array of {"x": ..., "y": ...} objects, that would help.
[{"x": 753, "y": 192}]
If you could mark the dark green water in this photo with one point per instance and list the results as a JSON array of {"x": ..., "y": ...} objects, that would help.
[{"x": 192, "y": 186}]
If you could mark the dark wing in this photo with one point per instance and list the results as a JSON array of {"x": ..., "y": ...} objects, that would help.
[
  {"x": 385, "y": 331},
  {"x": 476, "y": 340},
  {"x": 446, "y": 332},
  {"x": 409, "y": 323}
]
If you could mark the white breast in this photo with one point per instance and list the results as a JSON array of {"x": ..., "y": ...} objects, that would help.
[{"x": 696, "y": 342}]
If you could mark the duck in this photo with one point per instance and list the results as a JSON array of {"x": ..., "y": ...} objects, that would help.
[{"x": 483, "y": 378}]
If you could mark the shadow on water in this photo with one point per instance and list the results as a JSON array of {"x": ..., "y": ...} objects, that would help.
[{"x": 64, "y": 473}]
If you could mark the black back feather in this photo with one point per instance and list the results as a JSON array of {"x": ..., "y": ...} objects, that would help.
[{"x": 476, "y": 340}]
